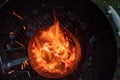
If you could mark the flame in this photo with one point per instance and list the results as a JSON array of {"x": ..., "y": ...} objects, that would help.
[
  {"x": 24, "y": 64},
  {"x": 53, "y": 50}
]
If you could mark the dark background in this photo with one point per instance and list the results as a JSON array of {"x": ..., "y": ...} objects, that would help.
[{"x": 116, "y": 5}]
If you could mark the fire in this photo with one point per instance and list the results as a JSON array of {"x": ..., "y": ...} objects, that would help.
[{"x": 53, "y": 51}]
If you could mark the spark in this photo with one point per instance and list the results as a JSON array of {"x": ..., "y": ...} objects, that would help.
[{"x": 18, "y": 16}]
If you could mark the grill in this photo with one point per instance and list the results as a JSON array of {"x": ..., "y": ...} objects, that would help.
[
  {"x": 20, "y": 24},
  {"x": 23, "y": 30}
]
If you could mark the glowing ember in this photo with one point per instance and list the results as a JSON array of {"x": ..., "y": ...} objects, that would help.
[{"x": 54, "y": 52}]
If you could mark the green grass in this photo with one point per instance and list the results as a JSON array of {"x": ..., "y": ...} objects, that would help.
[{"x": 105, "y": 3}]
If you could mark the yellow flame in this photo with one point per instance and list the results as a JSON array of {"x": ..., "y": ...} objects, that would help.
[{"x": 52, "y": 50}]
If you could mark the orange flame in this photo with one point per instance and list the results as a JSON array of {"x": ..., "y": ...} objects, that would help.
[{"x": 54, "y": 52}]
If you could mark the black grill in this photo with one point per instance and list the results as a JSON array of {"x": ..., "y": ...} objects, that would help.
[
  {"x": 36, "y": 19},
  {"x": 91, "y": 30}
]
